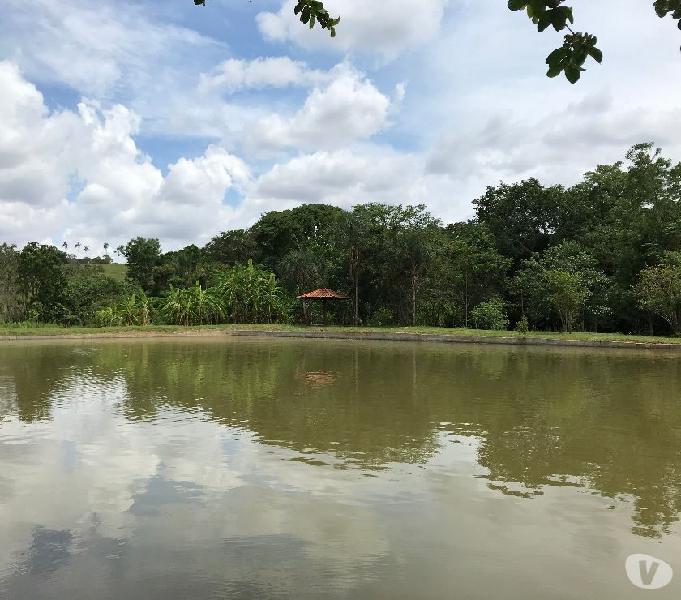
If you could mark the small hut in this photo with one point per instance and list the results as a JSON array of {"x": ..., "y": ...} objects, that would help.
[{"x": 323, "y": 295}]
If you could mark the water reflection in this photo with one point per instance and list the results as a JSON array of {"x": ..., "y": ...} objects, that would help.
[{"x": 338, "y": 469}]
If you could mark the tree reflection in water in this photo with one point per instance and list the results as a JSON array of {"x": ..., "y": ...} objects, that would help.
[{"x": 607, "y": 421}]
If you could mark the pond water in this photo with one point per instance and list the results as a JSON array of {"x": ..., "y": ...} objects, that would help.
[{"x": 265, "y": 469}]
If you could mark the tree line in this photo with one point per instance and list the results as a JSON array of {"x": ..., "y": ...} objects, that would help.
[{"x": 601, "y": 255}]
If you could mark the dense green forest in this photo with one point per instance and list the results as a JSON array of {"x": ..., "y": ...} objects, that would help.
[{"x": 602, "y": 255}]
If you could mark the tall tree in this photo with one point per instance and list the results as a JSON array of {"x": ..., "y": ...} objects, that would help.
[
  {"x": 565, "y": 281},
  {"x": 142, "y": 255},
  {"x": 523, "y": 217},
  {"x": 42, "y": 269},
  {"x": 232, "y": 247},
  {"x": 567, "y": 293},
  {"x": 181, "y": 268},
  {"x": 630, "y": 216},
  {"x": 11, "y": 298},
  {"x": 659, "y": 290},
  {"x": 89, "y": 289},
  {"x": 303, "y": 269},
  {"x": 354, "y": 241},
  {"x": 373, "y": 261},
  {"x": 414, "y": 235},
  {"x": 477, "y": 270},
  {"x": 278, "y": 232}
]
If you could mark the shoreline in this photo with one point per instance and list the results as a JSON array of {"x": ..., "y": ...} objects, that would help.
[{"x": 501, "y": 338}]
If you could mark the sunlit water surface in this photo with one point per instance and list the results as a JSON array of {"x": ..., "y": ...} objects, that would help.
[{"x": 265, "y": 469}]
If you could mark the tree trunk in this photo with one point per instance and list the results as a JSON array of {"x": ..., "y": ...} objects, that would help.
[
  {"x": 567, "y": 322},
  {"x": 356, "y": 278},
  {"x": 413, "y": 297},
  {"x": 466, "y": 300},
  {"x": 354, "y": 271}
]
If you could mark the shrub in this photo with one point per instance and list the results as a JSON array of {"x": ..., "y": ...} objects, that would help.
[
  {"x": 659, "y": 290},
  {"x": 133, "y": 310},
  {"x": 192, "y": 306},
  {"x": 250, "y": 294},
  {"x": 382, "y": 317},
  {"x": 490, "y": 315},
  {"x": 107, "y": 317},
  {"x": 523, "y": 326}
]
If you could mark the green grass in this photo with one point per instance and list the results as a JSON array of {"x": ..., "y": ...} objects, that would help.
[
  {"x": 115, "y": 271},
  {"x": 27, "y": 330}
]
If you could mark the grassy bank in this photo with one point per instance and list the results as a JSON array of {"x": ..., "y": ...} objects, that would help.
[{"x": 26, "y": 331}]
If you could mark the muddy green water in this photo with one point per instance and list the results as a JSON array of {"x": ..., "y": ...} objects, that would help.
[{"x": 266, "y": 469}]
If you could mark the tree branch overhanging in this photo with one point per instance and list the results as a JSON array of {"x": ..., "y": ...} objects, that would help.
[{"x": 569, "y": 59}]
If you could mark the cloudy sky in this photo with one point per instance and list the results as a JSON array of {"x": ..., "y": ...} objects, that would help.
[{"x": 121, "y": 118}]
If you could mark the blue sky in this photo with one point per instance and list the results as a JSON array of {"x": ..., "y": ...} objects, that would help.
[{"x": 124, "y": 118}]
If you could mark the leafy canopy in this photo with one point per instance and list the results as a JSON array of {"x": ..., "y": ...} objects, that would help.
[{"x": 577, "y": 46}]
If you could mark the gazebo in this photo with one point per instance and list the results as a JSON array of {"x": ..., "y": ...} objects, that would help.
[{"x": 323, "y": 295}]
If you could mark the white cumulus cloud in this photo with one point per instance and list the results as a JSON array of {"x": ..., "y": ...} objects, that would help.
[
  {"x": 281, "y": 71},
  {"x": 344, "y": 178},
  {"x": 348, "y": 109},
  {"x": 383, "y": 28},
  {"x": 98, "y": 48},
  {"x": 81, "y": 175}
]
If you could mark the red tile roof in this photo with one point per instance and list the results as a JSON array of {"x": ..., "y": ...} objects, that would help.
[{"x": 323, "y": 294}]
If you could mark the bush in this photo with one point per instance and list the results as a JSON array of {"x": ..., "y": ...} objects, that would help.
[
  {"x": 490, "y": 315},
  {"x": 251, "y": 294},
  {"x": 192, "y": 306},
  {"x": 523, "y": 325},
  {"x": 107, "y": 317},
  {"x": 383, "y": 317},
  {"x": 87, "y": 291},
  {"x": 133, "y": 310}
]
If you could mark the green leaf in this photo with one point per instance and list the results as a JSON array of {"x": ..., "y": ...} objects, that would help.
[
  {"x": 556, "y": 57},
  {"x": 554, "y": 71},
  {"x": 573, "y": 74},
  {"x": 543, "y": 22},
  {"x": 596, "y": 54}
]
